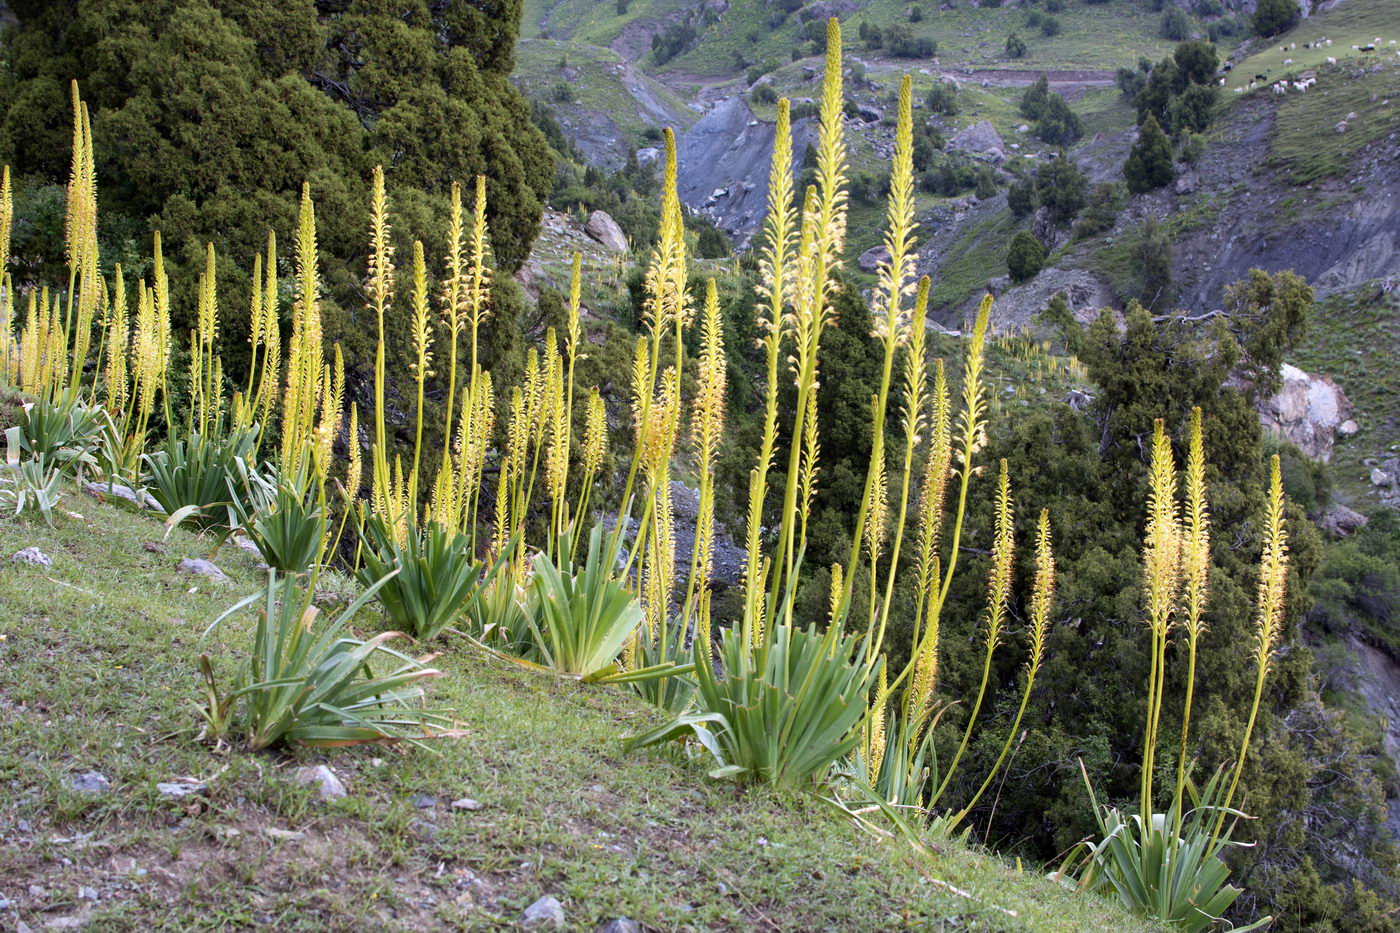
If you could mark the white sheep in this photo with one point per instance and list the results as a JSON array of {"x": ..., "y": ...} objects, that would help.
[
  {"x": 1288, "y": 61},
  {"x": 1239, "y": 90},
  {"x": 1331, "y": 60},
  {"x": 1292, "y": 46}
]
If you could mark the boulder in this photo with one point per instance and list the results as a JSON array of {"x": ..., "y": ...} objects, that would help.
[
  {"x": 1307, "y": 411},
  {"x": 871, "y": 259},
  {"x": 1340, "y": 521},
  {"x": 980, "y": 139},
  {"x": 648, "y": 155},
  {"x": 601, "y": 227}
]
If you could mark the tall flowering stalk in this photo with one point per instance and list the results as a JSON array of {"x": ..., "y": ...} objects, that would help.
[
  {"x": 306, "y": 355},
  {"x": 1195, "y": 574},
  {"x": 1161, "y": 572},
  {"x": 9, "y": 350},
  {"x": 1042, "y": 601},
  {"x": 380, "y": 287},
  {"x": 118, "y": 340},
  {"x": 775, "y": 267},
  {"x": 1269, "y": 599},
  {"x": 706, "y": 428},
  {"x": 998, "y": 599}
]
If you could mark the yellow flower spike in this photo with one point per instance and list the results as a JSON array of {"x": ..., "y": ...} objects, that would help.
[
  {"x": 305, "y": 357},
  {"x": 380, "y": 286},
  {"x": 1195, "y": 574},
  {"x": 998, "y": 596},
  {"x": 1270, "y": 596},
  {"x": 117, "y": 346},
  {"x": 271, "y": 331},
  {"x": 355, "y": 468},
  {"x": 422, "y": 348},
  {"x": 875, "y": 730}
]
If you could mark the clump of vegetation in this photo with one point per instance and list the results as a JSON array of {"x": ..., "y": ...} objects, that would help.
[
  {"x": 1149, "y": 164},
  {"x": 1272, "y": 17},
  {"x": 1026, "y": 257},
  {"x": 1055, "y": 122},
  {"x": 867, "y": 506}
]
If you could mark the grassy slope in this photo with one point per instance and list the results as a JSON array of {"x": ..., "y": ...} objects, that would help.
[
  {"x": 594, "y": 75},
  {"x": 1093, "y": 37},
  {"x": 1355, "y": 340},
  {"x": 97, "y": 672},
  {"x": 1356, "y": 22}
]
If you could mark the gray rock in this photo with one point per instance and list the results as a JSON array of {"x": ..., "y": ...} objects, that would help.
[
  {"x": 327, "y": 785},
  {"x": 1380, "y": 477},
  {"x": 1339, "y": 520},
  {"x": 466, "y": 803},
  {"x": 284, "y": 835},
  {"x": 423, "y": 801},
  {"x": 86, "y": 893},
  {"x": 544, "y": 914},
  {"x": 648, "y": 155},
  {"x": 102, "y": 492},
  {"x": 90, "y": 782},
  {"x": 199, "y": 567},
  {"x": 1348, "y": 428},
  {"x": 1186, "y": 183},
  {"x": 601, "y": 227},
  {"x": 871, "y": 259},
  {"x": 620, "y": 925},
  {"x": 178, "y": 789},
  {"x": 981, "y": 138},
  {"x": 1307, "y": 411},
  {"x": 32, "y": 555}
]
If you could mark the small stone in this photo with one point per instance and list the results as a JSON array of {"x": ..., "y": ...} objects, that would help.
[
  {"x": 287, "y": 835},
  {"x": 423, "y": 801},
  {"x": 90, "y": 782},
  {"x": 466, "y": 803},
  {"x": 86, "y": 893},
  {"x": 243, "y": 542},
  {"x": 327, "y": 785},
  {"x": 201, "y": 568},
  {"x": 424, "y": 828},
  {"x": 32, "y": 555},
  {"x": 544, "y": 914},
  {"x": 1380, "y": 477},
  {"x": 65, "y": 923},
  {"x": 621, "y": 925},
  {"x": 24, "y": 826},
  {"x": 177, "y": 789},
  {"x": 102, "y": 492},
  {"x": 1348, "y": 428},
  {"x": 153, "y": 547}
]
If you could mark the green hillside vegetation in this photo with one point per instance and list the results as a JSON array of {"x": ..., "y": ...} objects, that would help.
[
  {"x": 1356, "y": 342},
  {"x": 1351, "y": 23},
  {"x": 1305, "y": 142},
  {"x": 101, "y": 651},
  {"x": 589, "y": 78}
]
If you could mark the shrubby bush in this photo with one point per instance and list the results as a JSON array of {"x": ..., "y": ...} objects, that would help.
[{"x": 1025, "y": 257}]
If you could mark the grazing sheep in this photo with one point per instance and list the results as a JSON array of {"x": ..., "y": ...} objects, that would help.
[
  {"x": 1331, "y": 60},
  {"x": 1288, "y": 61}
]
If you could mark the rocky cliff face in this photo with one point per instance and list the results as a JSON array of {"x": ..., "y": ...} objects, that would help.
[{"x": 723, "y": 162}]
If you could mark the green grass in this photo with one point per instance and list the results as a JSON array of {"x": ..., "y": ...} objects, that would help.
[
  {"x": 97, "y": 671},
  {"x": 1305, "y": 143},
  {"x": 594, "y": 77},
  {"x": 1355, "y": 339},
  {"x": 1356, "y": 22},
  {"x": 979, "y": 255},
  {"x": 1092, "y": 37}
]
